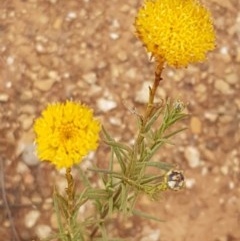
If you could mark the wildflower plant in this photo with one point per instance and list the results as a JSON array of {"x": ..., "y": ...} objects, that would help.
[{"x": 176, "y": 33}]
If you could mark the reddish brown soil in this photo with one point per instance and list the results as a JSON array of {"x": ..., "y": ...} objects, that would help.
[{"x": 52, "y": 50}]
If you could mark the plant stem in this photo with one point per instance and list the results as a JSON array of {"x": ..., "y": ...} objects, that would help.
[
  {"x": 70, "y": 190},
  {"x": 150, "y": 105},
  {"x": 140, "y": 137},
  {"x": 106, "y": 209},
  {"x": 70, "y": 201},
  {"x": 150, "y": 108}
]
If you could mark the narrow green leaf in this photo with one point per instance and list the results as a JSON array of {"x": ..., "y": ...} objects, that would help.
[
  {"x": 62, "y": 204},
  {"x": 118, "y": 145},
  {"x": 175, "y": 132},
  {"x": 97, "y": 194},
  {"x": 146, "y": 215},
  {"x": 153, "y": 151},
  {"x": 58, "y": 214},
  {"x": 161, "y": 165},
  {"x": 152, "y": 120},
  {"x": 115, "y": 149},
  {"x": 120, "y": 159},
  {"x": 103, "y": 231},
  {"x": 83, "y": 177}
]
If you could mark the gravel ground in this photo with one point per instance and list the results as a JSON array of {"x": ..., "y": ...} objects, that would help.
[{"x": 52, "y": 50}]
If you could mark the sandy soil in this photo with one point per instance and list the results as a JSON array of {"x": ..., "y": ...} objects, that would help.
[{"x": 52, "y": 50}]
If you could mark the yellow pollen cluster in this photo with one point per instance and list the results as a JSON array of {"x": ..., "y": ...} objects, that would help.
[
  {"x": 66, "y": 133},
  {"x": 178, "y": 32}
]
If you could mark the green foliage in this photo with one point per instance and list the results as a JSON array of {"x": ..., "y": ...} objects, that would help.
[{"x": 122, "y": 188}]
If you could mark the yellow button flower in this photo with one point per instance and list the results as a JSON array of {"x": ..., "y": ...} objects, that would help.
[
  {"x": 178, "y": 32},
  {"x": 65, "y": 133}
]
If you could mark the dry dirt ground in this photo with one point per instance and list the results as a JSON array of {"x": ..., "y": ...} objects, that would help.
[{"x": 53, "y": 50}]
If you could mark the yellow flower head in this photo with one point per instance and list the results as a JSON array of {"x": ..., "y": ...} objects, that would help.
[
  {"x": 66, "y": 133},
  {"x": 176, "y": 31}
]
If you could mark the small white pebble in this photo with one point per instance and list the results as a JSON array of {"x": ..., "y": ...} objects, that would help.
[
  {"x": 170, "y": 73},
  {"x": 66, "y": 75},
  {"x": 39, "y": 48},
  {"x": 10, "y": 60},
  {"x": 231, "y": 185},
  {"x": 224, "y": 50},
  {"x": 43, "y": 231},
  {"x": 115, "y": 23},
  {"x": 31, "y": 218},
  {"x": 106, "y": 105},
  {"x": 4, "y": 97},
  {"x": 192, "y": 155},
  {"x": 8, "y": 84},
  {"x": 204, "y": 171},
  {"x": 71, "y": 15},
  {"x": 190, "y": 182},
  {"x": 114, "y": 36},
  {"x": 11, "y": 14}
]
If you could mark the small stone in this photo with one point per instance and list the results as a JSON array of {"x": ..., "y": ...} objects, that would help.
[
  {"x": 43, "y": 19},
  {"x": 53, "y": 75},
  {"x": 101, "y": 64},
  {"x": 237, "y": 102},
  {"x": 226, "y": 119},
  {"x": 26, "y": 121},
  {"x": 154, "y": 235},
  {"x": 106, "y": 105},
  {"x": 10, "y": 60},
  {"x": 122, "y": 55},
  {"x": 196, "y": 125},
  {"x": 26, "y": 95},
  {"x": 71, "y": 16},
  {"x": 131, "y": 73},
  {"x": 43, "y": 231},
  {"x": 200, "y": 88},
  {"x": 238, "y": 55},
  {"x": 39, "y": 48},
  {"x": 44, "y": 85},
  {"x": 114, "y": 36},
  {"x": 231, "y": 185},
  {"x": 115, "y": 121},
  {"x": 54, "y": 221},
  {"x": 190, "y": 182},
  {"x": 22, "y": 168},
  {"x": 4, "y": 97},
  {"x": 192, "y": 155},
  {"x": 8, "y": 84},
  {"x": 57, "y": 24},
  {"x": 29, "y": 156},
  {"x": 232, "y": 78},
  {"x": 28, "y": 179},
  {"x": 224, "y": 50},
  {"x": 223, "y": 87},
  {"x": 211, "y": 116},
  {"x": 31, "y": 218},
  {"x": 90, "y": 78},
  {"x": 224, "y": 170},
  {"x": 142, "y": 95},
  {"x": 36, "y": 199}
]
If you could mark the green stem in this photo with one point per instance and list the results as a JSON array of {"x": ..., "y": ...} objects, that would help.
[
  {"x": 140, "y": 138},
  {"x": 106, "y": 209},
  {"x": 148, "y": 113},
  {"x": 70, "y": 201}
]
